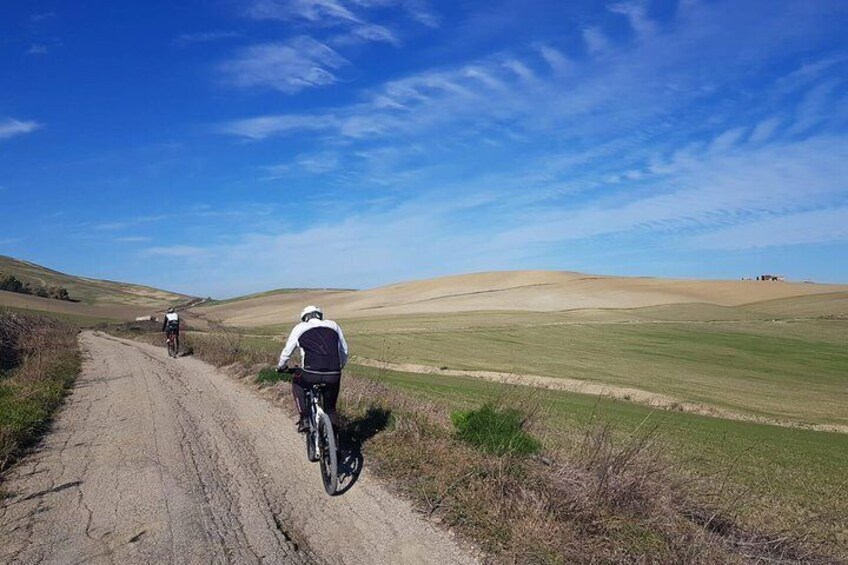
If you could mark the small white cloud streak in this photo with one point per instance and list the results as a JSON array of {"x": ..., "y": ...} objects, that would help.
[
  {"x": 11, "y": 127},
  {"x": 328, "y": 11},
  {"x": 178, "y": 251},
  {"x": 204, "y": 37},
  {"x": 37, "y": 49},
  {"x": 288, "y": 67}
]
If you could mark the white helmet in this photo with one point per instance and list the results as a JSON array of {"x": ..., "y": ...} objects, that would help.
[{"x": 311, "y": 310}]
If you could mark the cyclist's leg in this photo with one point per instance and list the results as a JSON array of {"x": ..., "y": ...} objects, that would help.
[
  {"x": 331, "y": 396},
  {"x": 299, "y": 384}
]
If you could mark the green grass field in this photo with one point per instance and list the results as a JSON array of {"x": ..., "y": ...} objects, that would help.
[
  {"x": 787, "y": 473},
  {"x": 795, "y": 370},
  {"x": 74, "y": 319}
]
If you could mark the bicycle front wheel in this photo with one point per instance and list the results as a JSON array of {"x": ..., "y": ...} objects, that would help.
[{"x": 329, "y": 455}]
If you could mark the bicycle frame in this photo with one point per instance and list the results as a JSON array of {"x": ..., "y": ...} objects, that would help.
[{"x": 315, "y": 413}]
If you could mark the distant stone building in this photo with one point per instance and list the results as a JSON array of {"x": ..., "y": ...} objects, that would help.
[{"x": 770, "y": 278}]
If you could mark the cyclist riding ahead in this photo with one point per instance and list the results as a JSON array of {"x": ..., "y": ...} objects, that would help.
[
  {"x": 324, "y": 352},
  {"x": 171, "y": 325}
]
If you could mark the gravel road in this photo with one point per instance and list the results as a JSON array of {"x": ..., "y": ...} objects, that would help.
[{"x": 158, "y": 460}]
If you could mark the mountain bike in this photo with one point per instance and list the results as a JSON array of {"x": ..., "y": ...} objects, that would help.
[
  {"x": 320, "y": 437},
  {"x": 172, "y": 342}
]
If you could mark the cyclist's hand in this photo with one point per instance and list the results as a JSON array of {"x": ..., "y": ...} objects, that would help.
[{"x": 281, "y": 369}]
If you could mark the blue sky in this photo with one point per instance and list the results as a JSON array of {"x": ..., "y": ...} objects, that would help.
[{"x": 232, "y": 146}]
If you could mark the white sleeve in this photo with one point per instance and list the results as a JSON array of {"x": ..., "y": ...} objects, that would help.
[
  {"x": 343, "y": 350},
  {"x": 291, "y": 343}
]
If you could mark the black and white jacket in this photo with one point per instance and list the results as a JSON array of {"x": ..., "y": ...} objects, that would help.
[{"x": 322, "y": 346}]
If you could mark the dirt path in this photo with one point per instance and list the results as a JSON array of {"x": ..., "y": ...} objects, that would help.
[
  {"x": 155, "y": 460},
  {"x": 648, "y": 398}
]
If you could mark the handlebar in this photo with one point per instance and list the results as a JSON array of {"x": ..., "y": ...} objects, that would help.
[{"x": 289, "y": 370}]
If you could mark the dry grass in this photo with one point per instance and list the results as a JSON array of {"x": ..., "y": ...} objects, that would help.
[
  {"x": 220, "y": 347},
  {"x": 39, "y": 360}
]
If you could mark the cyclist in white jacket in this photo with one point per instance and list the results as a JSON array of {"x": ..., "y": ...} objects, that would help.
[
  {"x": 171, "y": 323},
  {"x": 324, "y": 352}
]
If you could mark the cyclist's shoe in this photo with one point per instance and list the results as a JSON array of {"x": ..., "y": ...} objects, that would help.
[{"x": 302, "y": 426}]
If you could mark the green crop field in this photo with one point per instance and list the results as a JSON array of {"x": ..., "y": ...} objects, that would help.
[
  {"x": 74, "y": 319},
  {"x": 796, "y": 370},
  {"x": 784, "y": 474}
]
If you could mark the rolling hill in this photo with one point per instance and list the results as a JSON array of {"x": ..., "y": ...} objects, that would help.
[
  {"x": 92, "y": 298},
  {"x": 545, "y": 291}
]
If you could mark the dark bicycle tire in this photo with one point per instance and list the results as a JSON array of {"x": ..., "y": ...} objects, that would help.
[
  {"x": 329, "y": 455},
  {"x": 172, "y": 348},
  {"x": 311, "y": 454}
]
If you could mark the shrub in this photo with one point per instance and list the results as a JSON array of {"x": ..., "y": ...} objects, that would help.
[
  {"x": 495, "y": 430},
  {"x": 269, "y": 376},
  {"x": 10, "y": 283}
]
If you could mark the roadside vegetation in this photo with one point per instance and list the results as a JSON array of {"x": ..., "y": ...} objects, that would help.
[
  {"x": 555, "y": 477},
  {"x": 39, "y": 360}
]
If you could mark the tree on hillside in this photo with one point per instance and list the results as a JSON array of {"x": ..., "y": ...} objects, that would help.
[{"x": 10, "y": 283}]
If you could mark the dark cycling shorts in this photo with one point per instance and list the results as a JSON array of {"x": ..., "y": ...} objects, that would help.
[{"x": 303, "y": 380}]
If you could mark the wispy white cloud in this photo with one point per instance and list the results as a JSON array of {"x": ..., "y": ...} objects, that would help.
[
  {"x": 813, "y": 108},
  {"x": 583, "y": 148},
  {"x": 326, "y": 13},
  {"x": 765, "y": 129},
  {"x": 366, "y": 32},
  {"x": 267, "y": 126},
  {"x": 42, "y": 17},
  {"x": 129, "y": 222},
  {"x": 827, "y": 226},
  {"x": 702, "y": 203},
  {"x": 636, "y": 14},
  {"x": 134, "y": 239},
  {"x": 11, "y": 127},
  {"x": 288, "y": 67},
  {"x": 318, "y": 163},
  {"x": 320, "y": 11},
  {"x": 557, "y": 61},
  {"x": 596, "y": 40}
]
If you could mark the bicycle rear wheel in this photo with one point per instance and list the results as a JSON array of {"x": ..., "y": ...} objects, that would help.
[
  {"x": 172, "y": 348},
  {"x": 329, "y": 455},
  {"x": 311, "y": 452}
]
